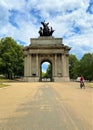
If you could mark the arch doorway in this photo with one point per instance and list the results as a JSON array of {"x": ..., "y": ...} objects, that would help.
[{"x": 46, "y": 71}]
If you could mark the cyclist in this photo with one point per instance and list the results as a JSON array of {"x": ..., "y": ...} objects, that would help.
[{"x": 82, "y": 82}]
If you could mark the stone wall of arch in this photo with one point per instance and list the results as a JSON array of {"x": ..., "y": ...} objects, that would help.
[{"x": 51, "y": 50}]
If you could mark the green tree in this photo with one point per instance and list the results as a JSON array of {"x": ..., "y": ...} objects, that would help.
[
  {"x": 43, "y": 74},
  {"x": 86, "y": 66},
  {"x": 11, "y": 58},
  {"x": 49, "y": 71},
  {"x": 73, "y": 66}
]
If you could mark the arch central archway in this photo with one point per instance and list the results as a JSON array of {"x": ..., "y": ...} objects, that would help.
[{"x": 46, "y": 71}]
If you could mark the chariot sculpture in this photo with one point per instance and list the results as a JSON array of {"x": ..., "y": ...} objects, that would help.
[{"x": 45, "y": 30}]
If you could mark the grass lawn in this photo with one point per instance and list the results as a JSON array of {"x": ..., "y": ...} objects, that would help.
[
  {"x": 2, "y": 81},
  {"x": 89, "y": 85},
  {"x": 3, "y": 85}
]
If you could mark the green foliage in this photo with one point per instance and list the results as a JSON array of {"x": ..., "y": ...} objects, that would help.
[
  {"x": 81, "y": 67},
  {"x": 86, "y": 66},
  {"x": 43, "y": 75},
  {"x": 11, "y": 58},
  {"x": 49, "y": 71},
  {"x": 73, "y": 66}
]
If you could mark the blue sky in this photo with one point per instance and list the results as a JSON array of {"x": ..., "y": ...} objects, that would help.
[
  {"x": 45, "y": 66},
  {"x": 72, "y": 20}
]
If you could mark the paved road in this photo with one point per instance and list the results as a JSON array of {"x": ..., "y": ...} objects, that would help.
[{"x": 37, "y": 107}]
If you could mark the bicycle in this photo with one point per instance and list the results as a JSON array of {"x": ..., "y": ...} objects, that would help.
[{"x": 82, "y": 85}]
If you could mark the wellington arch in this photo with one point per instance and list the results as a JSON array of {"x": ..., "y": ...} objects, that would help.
[{"x": 46, "y": 48}]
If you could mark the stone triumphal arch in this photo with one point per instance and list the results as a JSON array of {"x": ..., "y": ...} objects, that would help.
[{"x": 46, "y": 48}]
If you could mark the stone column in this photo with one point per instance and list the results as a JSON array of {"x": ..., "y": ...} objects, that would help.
[
  {"x": 30, "y": 58},
  {"x": 36, "y": 64},
  {"x": 63, "y": 65},
  {"x": 59, "y": 65},
  {"x": 67, "y": 65},
  {"x": 25, "y": 66},
  {"x": 55, "y": 64},
  {"x": 28, "y": 65}
]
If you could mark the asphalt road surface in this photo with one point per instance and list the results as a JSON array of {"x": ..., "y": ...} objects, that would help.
[{"x": 46, "y": 106}]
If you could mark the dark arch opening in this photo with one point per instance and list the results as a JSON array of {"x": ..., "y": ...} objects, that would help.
[{"x": 46, "y": 71}]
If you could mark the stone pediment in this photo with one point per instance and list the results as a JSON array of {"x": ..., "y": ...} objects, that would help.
[{"x": 46, "y": 43}]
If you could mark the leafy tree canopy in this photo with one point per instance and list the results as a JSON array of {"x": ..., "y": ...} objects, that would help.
[
  {"x": 11, "y": 58},
  {"x": 84, "y": 66}
]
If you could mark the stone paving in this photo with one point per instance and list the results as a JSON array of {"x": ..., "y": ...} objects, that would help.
[{"x": 46, "y": 106}]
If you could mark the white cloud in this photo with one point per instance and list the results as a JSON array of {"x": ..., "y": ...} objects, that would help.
[
  {"x": 68, "y": 18},
  {"x": 4, "y": 14},
  {"x": 13, "y": 4}
]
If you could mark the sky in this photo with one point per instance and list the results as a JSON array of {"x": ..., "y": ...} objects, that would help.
[
  {"x": 44, "y": 66},
  {"x": 72, "y": 21}
]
